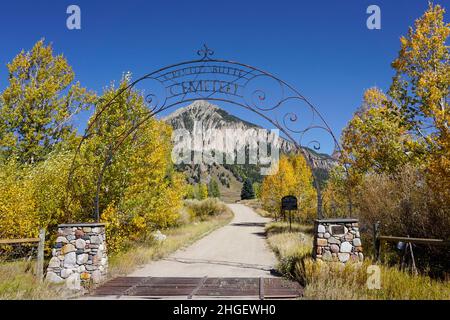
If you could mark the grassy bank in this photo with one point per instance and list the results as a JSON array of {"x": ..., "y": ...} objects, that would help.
[
  {"x": 17, "y": 280},
  {"x": 334, "y": 281}
]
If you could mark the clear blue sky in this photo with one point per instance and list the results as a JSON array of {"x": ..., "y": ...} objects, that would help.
[{"x": 322, "y": 48}]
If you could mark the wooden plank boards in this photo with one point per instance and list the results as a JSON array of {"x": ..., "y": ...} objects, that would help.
[
  {"x": 18, "y": 241},
  {"x": 414, "y": 240},
  {"x": 262, "y": 288}
]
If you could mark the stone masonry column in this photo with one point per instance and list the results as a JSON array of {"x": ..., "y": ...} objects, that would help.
[
  {"x": 337, "y": 240},
  {"x": 79, "y": 256}
]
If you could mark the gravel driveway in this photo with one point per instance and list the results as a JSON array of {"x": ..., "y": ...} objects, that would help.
[{"x": 238, "y": 249}]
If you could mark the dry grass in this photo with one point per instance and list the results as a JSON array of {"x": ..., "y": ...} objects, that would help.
[
  {"x": 345, "y": 282},
  {"x": 140, "y": 254},
  {"x": 263, "y": 213},
  {"x": 204, "y": 209},
  {"x": 18, "y": 282},
  {"x": 349, "y": 282},
  {"x": 406, "y": 204},
  {"x": 283, "y": 227},
  {"x": 290, "y": 248}
]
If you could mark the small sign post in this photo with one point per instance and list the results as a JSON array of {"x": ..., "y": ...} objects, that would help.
[{"x": 289, "y": 203}]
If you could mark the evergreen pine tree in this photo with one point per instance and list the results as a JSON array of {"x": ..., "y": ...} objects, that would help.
[{"x": 247, "y": 190}]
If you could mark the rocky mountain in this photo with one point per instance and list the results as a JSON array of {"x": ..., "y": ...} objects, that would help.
[{"x": 201, "y": 116}]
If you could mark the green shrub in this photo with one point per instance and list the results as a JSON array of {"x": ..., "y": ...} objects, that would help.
[{"x": 206, "y": 208}]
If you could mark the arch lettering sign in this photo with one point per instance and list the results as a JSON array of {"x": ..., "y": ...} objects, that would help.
[{"x": 230, "y": 82}]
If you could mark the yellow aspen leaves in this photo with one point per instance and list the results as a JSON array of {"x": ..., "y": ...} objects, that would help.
[{"x": 294, "y": 177}]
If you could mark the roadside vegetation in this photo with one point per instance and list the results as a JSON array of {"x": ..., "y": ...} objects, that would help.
[
  {"x": 122, "y": 174},
  {"x": 396, "y": 148},
  {"x": 17, "y": 279},
  {"x": 325, "y": 281},
  {"x": 293, "y": 177},
  {"x": 393, "y": 168}
]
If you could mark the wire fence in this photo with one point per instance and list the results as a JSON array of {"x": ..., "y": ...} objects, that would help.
[{"x": 25, "y": 249}]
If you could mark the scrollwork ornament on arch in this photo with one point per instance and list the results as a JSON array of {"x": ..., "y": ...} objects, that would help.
[
  {"x": 263, "y": 92},
  {"x": 253, "y": 89}
]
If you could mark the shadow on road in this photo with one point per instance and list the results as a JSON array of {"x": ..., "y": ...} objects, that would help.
[
  {"x": 249, "y": 224},
  {"x": 261, "y": 234}
]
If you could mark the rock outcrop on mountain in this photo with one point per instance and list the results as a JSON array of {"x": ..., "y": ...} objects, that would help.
[{"x": 212, "y": 118}]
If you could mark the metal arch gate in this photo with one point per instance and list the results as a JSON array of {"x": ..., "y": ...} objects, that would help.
[
  {"x": 222, "y": 81},
  {"x": 192, "y": 288}
]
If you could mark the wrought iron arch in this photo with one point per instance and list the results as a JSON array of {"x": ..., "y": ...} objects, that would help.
[{"x": 238, "y": 84}]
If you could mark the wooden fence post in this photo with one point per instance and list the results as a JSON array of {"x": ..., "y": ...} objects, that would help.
[
  {"x": 376, "y": 241},
  {"x": 40, "y": 256}
]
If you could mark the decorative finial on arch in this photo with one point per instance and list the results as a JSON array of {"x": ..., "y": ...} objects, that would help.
[{"x": 205, "y": 52}]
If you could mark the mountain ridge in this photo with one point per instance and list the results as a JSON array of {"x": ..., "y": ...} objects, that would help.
[{"x": 213, "y": 117}]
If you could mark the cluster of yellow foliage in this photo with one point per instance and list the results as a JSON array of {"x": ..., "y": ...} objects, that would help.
[
  {"x": 396, "y": 148},
  {"x": 338, "y": 194},
  {"x": 203, "y": 191},
  {"x": 17, "y": 205},
  {"x": 140, "y": 190},
  {"x": 34, "y": 108},
  {"x": 153, "y": 196},
  {"x": 294, "y": 177},
  {"x": 374, "y": 140},
  {"x": 125, "y": 180},
  {"x": 409, "y": 125},
  {"x": 31, "y": 197},
  {"x": 151, "y": 192},
  {"x": 198, "y": 191},
  {"x": 421, "y": 87}
]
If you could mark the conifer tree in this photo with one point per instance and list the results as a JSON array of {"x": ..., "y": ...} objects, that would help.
[{"x": 247, "y": 190}]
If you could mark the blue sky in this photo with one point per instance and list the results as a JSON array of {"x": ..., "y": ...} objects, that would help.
[{"x": 322, "y": 48}]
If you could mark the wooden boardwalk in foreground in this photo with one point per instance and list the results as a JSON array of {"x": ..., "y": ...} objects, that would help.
[{"x": 198, "y": 288}]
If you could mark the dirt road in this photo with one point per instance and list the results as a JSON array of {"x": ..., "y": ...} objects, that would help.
[{"x": 237, "y": 250}]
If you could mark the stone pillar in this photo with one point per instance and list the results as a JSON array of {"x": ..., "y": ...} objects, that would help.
[
  {"x": 337, "y": 240},
  {"x": 79, "y": 256}
]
